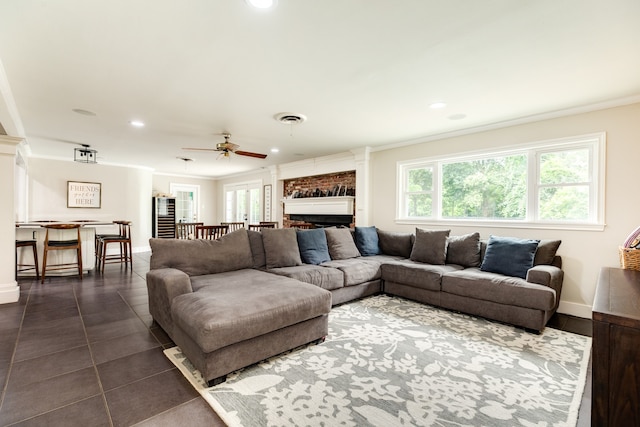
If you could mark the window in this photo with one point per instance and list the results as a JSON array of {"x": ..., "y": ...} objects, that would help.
[{"x": 555, "y": 183}]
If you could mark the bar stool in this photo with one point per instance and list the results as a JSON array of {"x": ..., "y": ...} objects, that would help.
[
  {"x": 27, "y": 267},
  {"x": 125, "y": 251},
  {"x": 72, "y": 243}
]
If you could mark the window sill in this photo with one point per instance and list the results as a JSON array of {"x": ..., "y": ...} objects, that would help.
[{"x": 500, "y": 224}]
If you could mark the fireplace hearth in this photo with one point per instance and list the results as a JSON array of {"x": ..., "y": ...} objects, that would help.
[{"x": 320, "y": 221}]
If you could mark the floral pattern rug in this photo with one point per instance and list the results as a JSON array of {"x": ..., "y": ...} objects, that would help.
[{"x": 393, "y": 362}]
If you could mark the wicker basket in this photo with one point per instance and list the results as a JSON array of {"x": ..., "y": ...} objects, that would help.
[{"x": 629, "y": 258}]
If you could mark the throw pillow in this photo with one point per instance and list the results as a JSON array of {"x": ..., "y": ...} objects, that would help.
[
  {"x": 257, "y": 248},
  {"x": 430, "y": 246},
  {"x": 313, "y": 246},
  {"x": 280, "y": 247},
  {"x": 546, "y": 252},
  {"x": 464, "y": 250},
  {"x": 367, "y": 241},
  {"x": 509, "y": 256},
  {"x": 341, "y": 243},
  {"x": 397, "y": 244}
]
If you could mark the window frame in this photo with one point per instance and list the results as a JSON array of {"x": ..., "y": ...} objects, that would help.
[{"x": 595, "y": 142}]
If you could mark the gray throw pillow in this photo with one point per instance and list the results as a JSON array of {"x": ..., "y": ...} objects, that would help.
[
  {"x": 430, "y": 246},
  {"x": 197, "y": 257},
  {"x": 341, "y": 243},
  {"x": 464, "y": 250},
  {"x": 257, "y": 249},
  {"x": 393, "y": 243},
  {"x": 546, "y": 252},
  {"x": 280, "y": 247}
]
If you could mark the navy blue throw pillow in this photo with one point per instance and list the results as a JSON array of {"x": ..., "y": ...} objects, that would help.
[
  {"x": 509, "y": 256},
  {"x": 313, "y": 246},
  {"x": 367, "y": 241}
]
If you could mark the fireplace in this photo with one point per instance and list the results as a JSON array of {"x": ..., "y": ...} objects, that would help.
[
  {"x": 320, "y": 211},
  {"x": 319, "y": 221}
]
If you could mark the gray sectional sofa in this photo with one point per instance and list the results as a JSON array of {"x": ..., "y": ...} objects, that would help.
[{"x": 250, "y": 295}]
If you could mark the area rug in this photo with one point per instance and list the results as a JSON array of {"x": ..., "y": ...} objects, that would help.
[{"x": 392, "y": 362}]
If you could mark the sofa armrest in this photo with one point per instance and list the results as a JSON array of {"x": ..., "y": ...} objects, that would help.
[
  {"x": 163, "y": 285},
  {"x": 547, "y": 275}
]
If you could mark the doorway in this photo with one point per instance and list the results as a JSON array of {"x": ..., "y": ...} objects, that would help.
[
  {"x": 242, "y": 202},
  {"x": 187, "y": 206}
]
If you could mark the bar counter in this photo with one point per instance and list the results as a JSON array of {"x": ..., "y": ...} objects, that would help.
[{"x": 35, "y": 230}]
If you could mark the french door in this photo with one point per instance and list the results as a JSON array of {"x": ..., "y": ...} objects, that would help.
[
  {"x": 186, "y": 201},
  {"x": 242, "y": 202}
]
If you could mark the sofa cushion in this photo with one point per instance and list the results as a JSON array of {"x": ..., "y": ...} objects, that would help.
[
  {"x": 324, "y": 277},
  {"x": 195, "y": 257},
  {"x": 546, "y": 252},
  {"x": 313, "y": 246},
  {"x": 398, "y": 244},
  {"x": 257, "y": 249},
  {"x": 341, "y": 243},
  {"x": 367, "y": 241},
  {"x": 430, "y": 246},
  {"x": 356, "y": 270},
  {"x": 221, "y": 316},
  {"x": 464, "y": 250},
  {"x": 280, "y": 247},
  {"x": 416, "y": 274},
  {"x": 474, "y": 283},
  {"x": 509, "y": 256}
]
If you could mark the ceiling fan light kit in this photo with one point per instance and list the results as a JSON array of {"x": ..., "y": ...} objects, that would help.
[{"x": 227, "y": 147}]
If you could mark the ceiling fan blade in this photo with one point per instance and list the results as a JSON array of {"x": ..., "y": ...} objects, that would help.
[
  {"x": 250, "y": 154},
  {"x": 199, "y": 149}
]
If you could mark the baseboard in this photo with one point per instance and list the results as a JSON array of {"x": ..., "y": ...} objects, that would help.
[
  {"x": 9, "y": 292},
  {"x": 575, "y": 309}
]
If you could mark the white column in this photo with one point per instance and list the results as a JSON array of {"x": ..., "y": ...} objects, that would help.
[
  {"x": 9, "y": 289},
  {"x": 363, "y": 186}
]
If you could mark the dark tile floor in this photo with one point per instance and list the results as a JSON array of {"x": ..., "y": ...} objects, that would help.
[{"x": 87, "y": 353}]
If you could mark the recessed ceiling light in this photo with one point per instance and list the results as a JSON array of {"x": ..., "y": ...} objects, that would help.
[
  {"x": 437, "y": 105},
  {"x": 136, "y": 123},
  {"x": 275, "y": 150},
  {"x": 262, "y": 4},
  {"x": 83, "y": 112}
]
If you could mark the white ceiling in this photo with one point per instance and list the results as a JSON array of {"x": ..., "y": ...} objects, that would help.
[{"x": 364, "y": 72}]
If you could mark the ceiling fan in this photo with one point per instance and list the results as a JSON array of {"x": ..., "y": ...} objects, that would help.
[{"x": 227, "y": 147}]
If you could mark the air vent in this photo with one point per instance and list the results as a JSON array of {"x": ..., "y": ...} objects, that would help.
[{"x": 290, "y": 118}]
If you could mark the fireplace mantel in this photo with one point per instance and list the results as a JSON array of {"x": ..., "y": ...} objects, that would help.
[{"x": 338, "y": 205}]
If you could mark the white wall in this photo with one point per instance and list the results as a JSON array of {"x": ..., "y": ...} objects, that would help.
[
  {"x": 583, "y": 252},
  {"x": 126, "y": 194},
  {"x": 208, "y": 194}
]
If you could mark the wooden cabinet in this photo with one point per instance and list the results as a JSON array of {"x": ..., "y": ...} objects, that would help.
[
  {"x": 164, "y": 217},
  {"x": 616, "y": 349}
]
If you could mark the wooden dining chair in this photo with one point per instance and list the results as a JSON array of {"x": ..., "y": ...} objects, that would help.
[
  {"x": 64, "y": 239},
  {"x": 302, "y": 225},
  {"x": 275, "y": 223},
  {"x": 20, "y": 265},
  {"x": 211, "y": 232},
  {"x": 258, "y": 227},
  {"x": 233, "y": 226},
  {"x": 187, "y": 230}
]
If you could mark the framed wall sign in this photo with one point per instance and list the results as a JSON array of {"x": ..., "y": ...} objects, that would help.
[
  {"x": 267, "y": 202},
  {"x": 84, "y": 194}
]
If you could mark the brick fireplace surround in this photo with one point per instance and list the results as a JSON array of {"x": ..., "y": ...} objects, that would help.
[{"x": 323, "y": 183}]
